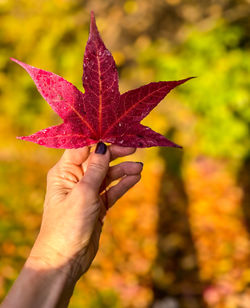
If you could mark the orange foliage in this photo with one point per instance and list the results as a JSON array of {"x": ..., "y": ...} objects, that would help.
[{"x": 219, "y": 233}]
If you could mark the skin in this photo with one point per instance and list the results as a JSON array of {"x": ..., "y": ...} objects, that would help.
[{"x": 75, "y": 205}]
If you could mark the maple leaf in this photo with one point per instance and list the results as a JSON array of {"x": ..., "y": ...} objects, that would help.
[{"x": 101, "y": 113}]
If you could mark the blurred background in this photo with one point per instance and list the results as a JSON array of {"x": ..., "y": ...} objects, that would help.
[{"x": 180, "y": 238}]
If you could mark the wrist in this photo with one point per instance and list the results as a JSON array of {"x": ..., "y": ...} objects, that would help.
[
  {"x": 57, "y": 280},
  {"x": 42, "y": 264},
  {"x": 46, "y": 258}
]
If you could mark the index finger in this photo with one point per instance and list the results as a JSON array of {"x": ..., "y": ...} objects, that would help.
[
  {"x": 119, "y": 151},
  {"x": 115, "y": 152}
]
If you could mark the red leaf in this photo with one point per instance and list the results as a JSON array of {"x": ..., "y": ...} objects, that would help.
[{"x": 101, "y": 113}]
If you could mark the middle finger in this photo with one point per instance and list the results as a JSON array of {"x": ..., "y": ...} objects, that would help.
[{"x": 118, "y": 171}]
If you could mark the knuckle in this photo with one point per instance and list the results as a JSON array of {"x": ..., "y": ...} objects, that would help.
[
  {"x": 87, "y": 191},
  {"x": 121, "y": 169},
  {"x": 83, "y": 193},
  {"x": 97, "y": 166},
  {"x": 86, "y": 186}
]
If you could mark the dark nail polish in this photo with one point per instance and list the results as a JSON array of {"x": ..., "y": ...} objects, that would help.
[
  {"x": 101, "y": 148},
  {"x": 139, "y": 162}
]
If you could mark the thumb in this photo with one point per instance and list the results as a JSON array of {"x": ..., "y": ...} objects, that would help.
[{"x": 97, "y": 168}]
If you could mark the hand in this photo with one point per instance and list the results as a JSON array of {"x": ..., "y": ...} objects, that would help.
[{"x": 76, "y": 203}]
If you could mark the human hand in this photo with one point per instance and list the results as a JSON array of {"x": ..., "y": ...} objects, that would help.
[{"x": 75, "y": 205}]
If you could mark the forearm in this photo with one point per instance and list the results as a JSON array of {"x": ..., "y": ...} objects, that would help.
[{"x": 39, "y": 285}]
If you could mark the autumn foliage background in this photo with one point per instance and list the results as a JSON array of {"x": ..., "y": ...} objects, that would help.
[{"x": 180, "y": 238}]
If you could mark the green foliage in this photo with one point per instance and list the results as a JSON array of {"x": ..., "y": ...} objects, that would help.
[{"x": 219, "y": 97}]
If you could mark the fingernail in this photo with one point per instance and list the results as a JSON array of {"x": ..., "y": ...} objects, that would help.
[
  {"x": 101, "y": 148},
  {"x": 139, "y": 162}
]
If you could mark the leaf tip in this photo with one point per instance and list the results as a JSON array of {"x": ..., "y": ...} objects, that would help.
[
  {"x": 92, "y": 14},
  {"x": 178, "y": 146},
  {"x": 24, "y": 65},
  {"x": 186, "y": 79},
  {"x": 93, "y": 27},
  {"x": 14, "y": 60}
]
